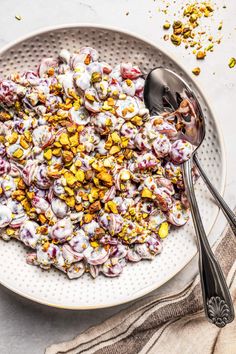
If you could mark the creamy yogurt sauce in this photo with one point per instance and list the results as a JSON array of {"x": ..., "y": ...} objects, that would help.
[{"x": 88, "y": 179}]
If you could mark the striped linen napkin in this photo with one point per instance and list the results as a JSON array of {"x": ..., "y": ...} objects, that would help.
[{"x": 173, "y": 324}]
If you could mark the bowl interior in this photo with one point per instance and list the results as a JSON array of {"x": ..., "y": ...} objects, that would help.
[{"x": 53, "y": 288}]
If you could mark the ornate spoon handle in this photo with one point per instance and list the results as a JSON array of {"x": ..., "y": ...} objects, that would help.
[
  {"x": 216, "y": 297},
  {"x": 229, "y": 214}
]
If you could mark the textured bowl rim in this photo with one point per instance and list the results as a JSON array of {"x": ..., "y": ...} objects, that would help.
[{"x": 147, "y": 289}]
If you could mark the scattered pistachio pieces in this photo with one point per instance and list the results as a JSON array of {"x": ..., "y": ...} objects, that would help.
[
  {"x": 18, "y": 153},
  {"x": 146, "y": 193},
  {"x": 12, "y": 139},
  {"x": 191, "y": 30},
  {"x": 177, "y": 27}
]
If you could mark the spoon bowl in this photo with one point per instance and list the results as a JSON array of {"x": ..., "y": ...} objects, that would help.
[{"x": 165, "y": 91}]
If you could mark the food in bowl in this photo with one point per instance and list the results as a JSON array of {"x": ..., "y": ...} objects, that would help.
[{"x": 89, "y": 180}]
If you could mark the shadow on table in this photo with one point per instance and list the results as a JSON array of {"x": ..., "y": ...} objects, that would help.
[{"x": 30, "y": 325}]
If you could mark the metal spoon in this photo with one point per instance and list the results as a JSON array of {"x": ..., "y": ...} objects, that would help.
[{"x": 164, "y": 91}]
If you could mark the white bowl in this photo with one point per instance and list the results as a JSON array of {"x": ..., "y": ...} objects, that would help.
[{"x": 54, "y": 288}]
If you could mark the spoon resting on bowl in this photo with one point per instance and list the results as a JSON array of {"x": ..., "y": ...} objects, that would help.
[{"x": 166, "y": 92}]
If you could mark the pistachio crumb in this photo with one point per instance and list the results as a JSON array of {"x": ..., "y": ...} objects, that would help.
[
  {"x": 18, "y": 17},
  {"x": 196, "y": 71},
  {"x": 232, "y": 62}
]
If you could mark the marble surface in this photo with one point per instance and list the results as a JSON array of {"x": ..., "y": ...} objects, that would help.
[{"x": 26, "y": 327}]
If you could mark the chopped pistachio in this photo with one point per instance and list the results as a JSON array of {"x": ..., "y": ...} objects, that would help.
[
  {"x": 186, "y": 32},
  {"x": 166, "y": 25},
  {"x": 18, "y": 153},
  {"x": 64, "y": 139},
  {"x": 90, "y": 97},
  {"x": 10, "y": 231},
  {"x": 78, "y": 163},
  {"x": 67, "y": 156},
  {"x": 112, "y": 207},
  {"x": 12, "y": 139},
  {"x": 209, "y": 7},
  {"x": 163, "y": 230},
  {"x": 105, "y": 177},
  {"x": 56, "y": 152},
  {"x": 69, "y": 191},
  {"x": 200, "y": 55},
  {"x": 210, "y": 47},
  {"x": 114, "y": 149},
  {"x": 74, "y": 140},
  {"x": 48, "y": 154},
  {"x": 115, "y": 137},
  {"x": 26, "y": 204},
  {"x": 196, "y": 71},
  {"x": 70, "y": 179},
  {"x": 137, "y": 120},
  {"x": 220, "y": 26},
  {"x": 88, "y": 218},
  {"x": 18, "y": 17},
  {"x": 177, "y": 24},
  {"x": 94, "y": 244},
  {"x": 193, "y": 18},
  {"x": 232, "y": 62},
  {"x": 70, "y": 201},
  {"x": 96, "y": 77},
  {"x": 80, "y": 175},
  {"x": 176, "y": 40}
]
